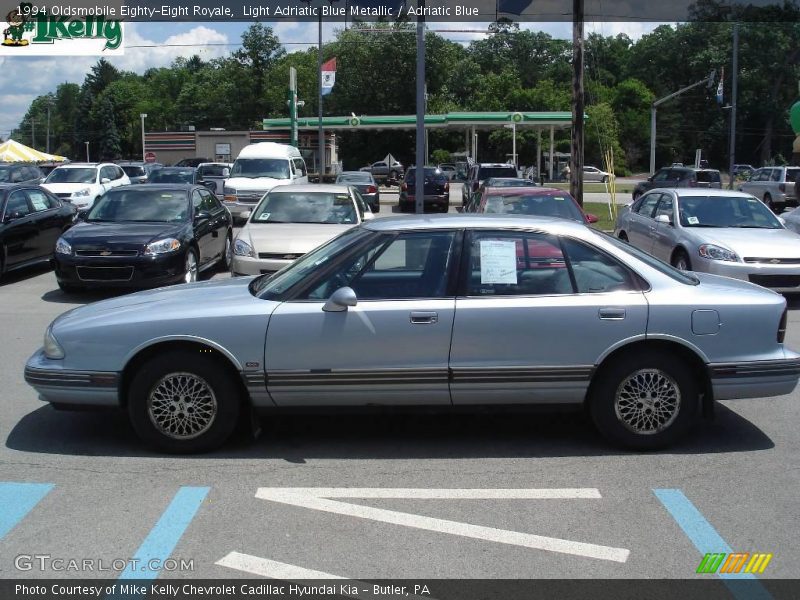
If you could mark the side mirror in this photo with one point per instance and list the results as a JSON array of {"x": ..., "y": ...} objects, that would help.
[
  {"x": 226, "y": 172},
  {"x": 664, "y": 219},
  {"x": 340, "y": 300},
  {"x": 11, "y": 217},
  {"x": 202, "y": 215},
  {"x": 246, "y": 214},
  {"x": 105, "y": 180},
  {"x": 591, "y": 218},
  {"x": 211, "y": 186}
]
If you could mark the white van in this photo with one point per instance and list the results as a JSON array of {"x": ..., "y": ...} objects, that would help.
[{"x": 259, "y": 168}]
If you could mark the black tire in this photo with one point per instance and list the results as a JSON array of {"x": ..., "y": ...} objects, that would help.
[
  {"x": 67, "y": 288},
  {"x": 680, "y": 260},
  {"x": 227, "y": 254},
  {"x": 615, "y": 387},
  {"x": 605, "y": 179},
  {"x": 623, "y": 236},
  {"x": 768, "y": 202},
  {"x": 376, "y": 208},
  {"x": 191, "y": 253},
  {"x": 155, "y": 378}
]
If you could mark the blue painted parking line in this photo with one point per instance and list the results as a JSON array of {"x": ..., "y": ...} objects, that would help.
[
  {"x": 17, "y": 500},
  {"x": 162, "y": 539},
  {"x": 706, "y": 539}
]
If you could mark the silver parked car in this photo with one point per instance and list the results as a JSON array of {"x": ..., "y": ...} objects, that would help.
[
  {"x": 292, "y": 220},
  {"x": 594, "y": 174},
  {"x": 714, "y": 231},
  {"x": 458, "y": 310},
  {"x": 773, "y": 185}
]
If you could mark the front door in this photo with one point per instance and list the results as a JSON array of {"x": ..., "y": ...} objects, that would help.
[
  {"x": 642, "y": 223},
  {"x": 537, "y": 316},
  {"x": 21, "y": 231},
  {"x": 391, "y": 348}
]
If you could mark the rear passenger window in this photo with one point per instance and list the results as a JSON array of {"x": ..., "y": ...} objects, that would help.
[
  {"x": 523, "y": 264},
  {"x": 38, "y": 199}
]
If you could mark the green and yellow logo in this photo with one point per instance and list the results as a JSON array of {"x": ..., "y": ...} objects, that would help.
[{"x": 735, "y": 562}]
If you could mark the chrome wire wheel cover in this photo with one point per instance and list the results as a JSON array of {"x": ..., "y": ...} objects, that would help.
[
  {"x": 647, "y": 401},
  {"x": 191, "y": 268},
  {"x": 228, "y": 252},
  {"x": 182, "y": 406}
]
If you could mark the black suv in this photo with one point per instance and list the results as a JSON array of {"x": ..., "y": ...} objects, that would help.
[
  {"x": 679, "y": 177},
  {"x": 481, "y": 171}
]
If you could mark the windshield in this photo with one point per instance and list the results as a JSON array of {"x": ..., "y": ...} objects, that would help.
[
  {"x": 508, "y": 183},
  {"x": 651, "y": 261},
  {"x": 560, "y": 205},
  {"x": 165, "y": 176},
  {"x": 276, "y": 168},
  {"x": 271, "y": 286},
  {"x": 726, "y": 211},
  {"x": 434, "y": 174},
  {"x": 305, "y": 207},
  {"x": 133, "y": 171},
  {"x": 79, "y": 175},
  {"x": 212, "y": 170},
  {"x": 134, "y": 205}
]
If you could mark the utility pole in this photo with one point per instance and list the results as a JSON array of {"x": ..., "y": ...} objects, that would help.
[
  {"x": 576, "y": 170},
  {"x": 419, "y": 194},
  {"x": 48, "y": 127},
  {"x": 321, "y": 142},
  {"x": 734, "y": 89},
  {"x": 33, "y": 133}
]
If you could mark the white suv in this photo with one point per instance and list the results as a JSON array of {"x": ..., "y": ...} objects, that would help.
[{"x": 83, "y": 183}]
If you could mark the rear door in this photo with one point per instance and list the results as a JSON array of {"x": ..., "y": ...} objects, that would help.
[
  {"x": 531, "y": 326},
  {"x": 664, "y": 236},
  {"x": 21, "y": 237},
  {"x": 641, "y": 224}
]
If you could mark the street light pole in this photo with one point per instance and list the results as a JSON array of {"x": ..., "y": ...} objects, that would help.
[
  {"x": 87, "y": 151},
  {"x": 48, "y": 128},
  {"x": 142, "y": 116},
  {"x": 576, "y": 172},
  {"x": 419, "y": 194},
  {"x": 321, "y": 141}
]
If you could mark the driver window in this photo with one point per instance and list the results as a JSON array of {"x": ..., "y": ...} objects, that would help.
[
  {"x": 412, "y": 265},
  {"x": 665, "y": 207},
  {"x": 662, "y": 175},
  {"x": 197, "y": 201},
  {"x": 647, "y": 205}
]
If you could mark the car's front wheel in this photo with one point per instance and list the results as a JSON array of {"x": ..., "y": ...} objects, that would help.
[
  {"x": 644, "y": 401},
  {"x": 183, "y": 402},
  {"x": 227, "y": 254},
  {"x": 190, "y": 268},
  {"x": 680, "y": 260}
]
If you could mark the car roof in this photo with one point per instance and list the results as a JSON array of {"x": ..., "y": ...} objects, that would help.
[
  {"x": 167, "y": 187},
  {"x": 269, "y": 150},
  {"x": 496, "y": 165},
  {"x": 177, "y": 169},
  {"x": 311, "y": 187},
  {"x": 82, "y": 165},
  {"x": 687, "y": 192},
  {"x": 359, "y": 173},
  {"x": 472, "y": 221}
]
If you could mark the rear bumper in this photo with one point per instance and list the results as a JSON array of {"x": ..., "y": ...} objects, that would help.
[{"x": 755, "y": 379}]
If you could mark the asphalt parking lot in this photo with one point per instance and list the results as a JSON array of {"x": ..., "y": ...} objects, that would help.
[{"x": 386, "y": 496}]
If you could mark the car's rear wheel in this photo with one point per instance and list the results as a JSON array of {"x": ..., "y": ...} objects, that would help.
[
  {"x": 67, "y": 288},
  {"x": 190, "y": 269},
  {"x": 183, "y": 402},
  {"x": 605, "y": 179},
  {"x": 623, "y": 236},
  {"x": 680, "y": 260},
  {"x": 768, "y": 202},
  {"x": 644, "y": 401}
]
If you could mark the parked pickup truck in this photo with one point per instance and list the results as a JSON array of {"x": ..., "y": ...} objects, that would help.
[
  {"x": 385, "y": 171},
  {"x": 774, "y": 186}
]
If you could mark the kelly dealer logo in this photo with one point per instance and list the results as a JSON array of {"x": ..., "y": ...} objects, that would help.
[{"x": 60, "y": 31}]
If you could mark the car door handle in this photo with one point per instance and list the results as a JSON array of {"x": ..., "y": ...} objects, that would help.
[
  {"x": 611, "y": 314},
  {"x": 424, "y": 318}
]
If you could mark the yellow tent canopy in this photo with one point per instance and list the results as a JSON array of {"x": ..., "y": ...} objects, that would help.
[{"x": 11, "y": 151}]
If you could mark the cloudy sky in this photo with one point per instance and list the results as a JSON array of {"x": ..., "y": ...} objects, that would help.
[{"x": 158, "y": 44}]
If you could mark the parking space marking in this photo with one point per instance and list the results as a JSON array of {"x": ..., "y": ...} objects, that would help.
[
  {"x": 255, "y": 565},
  {"x": 165, "y": 534},
  {"x": 17, "y": 500},
  {"x": 320, "y": 499},
  {"x": 706, "y": 539}
]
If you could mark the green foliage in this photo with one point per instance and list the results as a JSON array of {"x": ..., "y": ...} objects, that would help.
[{"x": 440, "y": 156}]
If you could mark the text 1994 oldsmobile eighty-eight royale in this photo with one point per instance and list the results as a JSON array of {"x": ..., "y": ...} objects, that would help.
[{"x": 453, "y": 310}]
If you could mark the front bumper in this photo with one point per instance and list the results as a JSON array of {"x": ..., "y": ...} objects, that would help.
[
  {"x": 247, "y": 265},
  {"x": 120, "y": 271},
  {"x": 755, "y": 379},
  {"x": 781, "y": 278},
  {"x": 58, "y": 385}
]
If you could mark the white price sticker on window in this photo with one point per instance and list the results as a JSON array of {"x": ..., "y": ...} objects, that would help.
[
  {"x": 692, "y": 220},
  {"x": 498, "y": 262}
]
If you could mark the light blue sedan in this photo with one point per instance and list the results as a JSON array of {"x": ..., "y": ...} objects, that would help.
[{"x": 452, "y": 311}]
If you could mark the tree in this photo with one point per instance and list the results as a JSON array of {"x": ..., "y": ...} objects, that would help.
[{"x": 110, "y": 146}]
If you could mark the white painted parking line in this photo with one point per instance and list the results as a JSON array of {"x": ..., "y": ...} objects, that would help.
[
  {"x": 319, "y": 499},
  {"x": 255, "y": 565}
]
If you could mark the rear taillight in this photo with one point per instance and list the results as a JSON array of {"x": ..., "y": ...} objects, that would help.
[
  {"x": 404, "y": 187},
  {"x": 447, "y": 187},
  {"x": 782, "y": 327},
  {"x": 371, "y": 189},
  {"x": 782, "y": 187}
]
